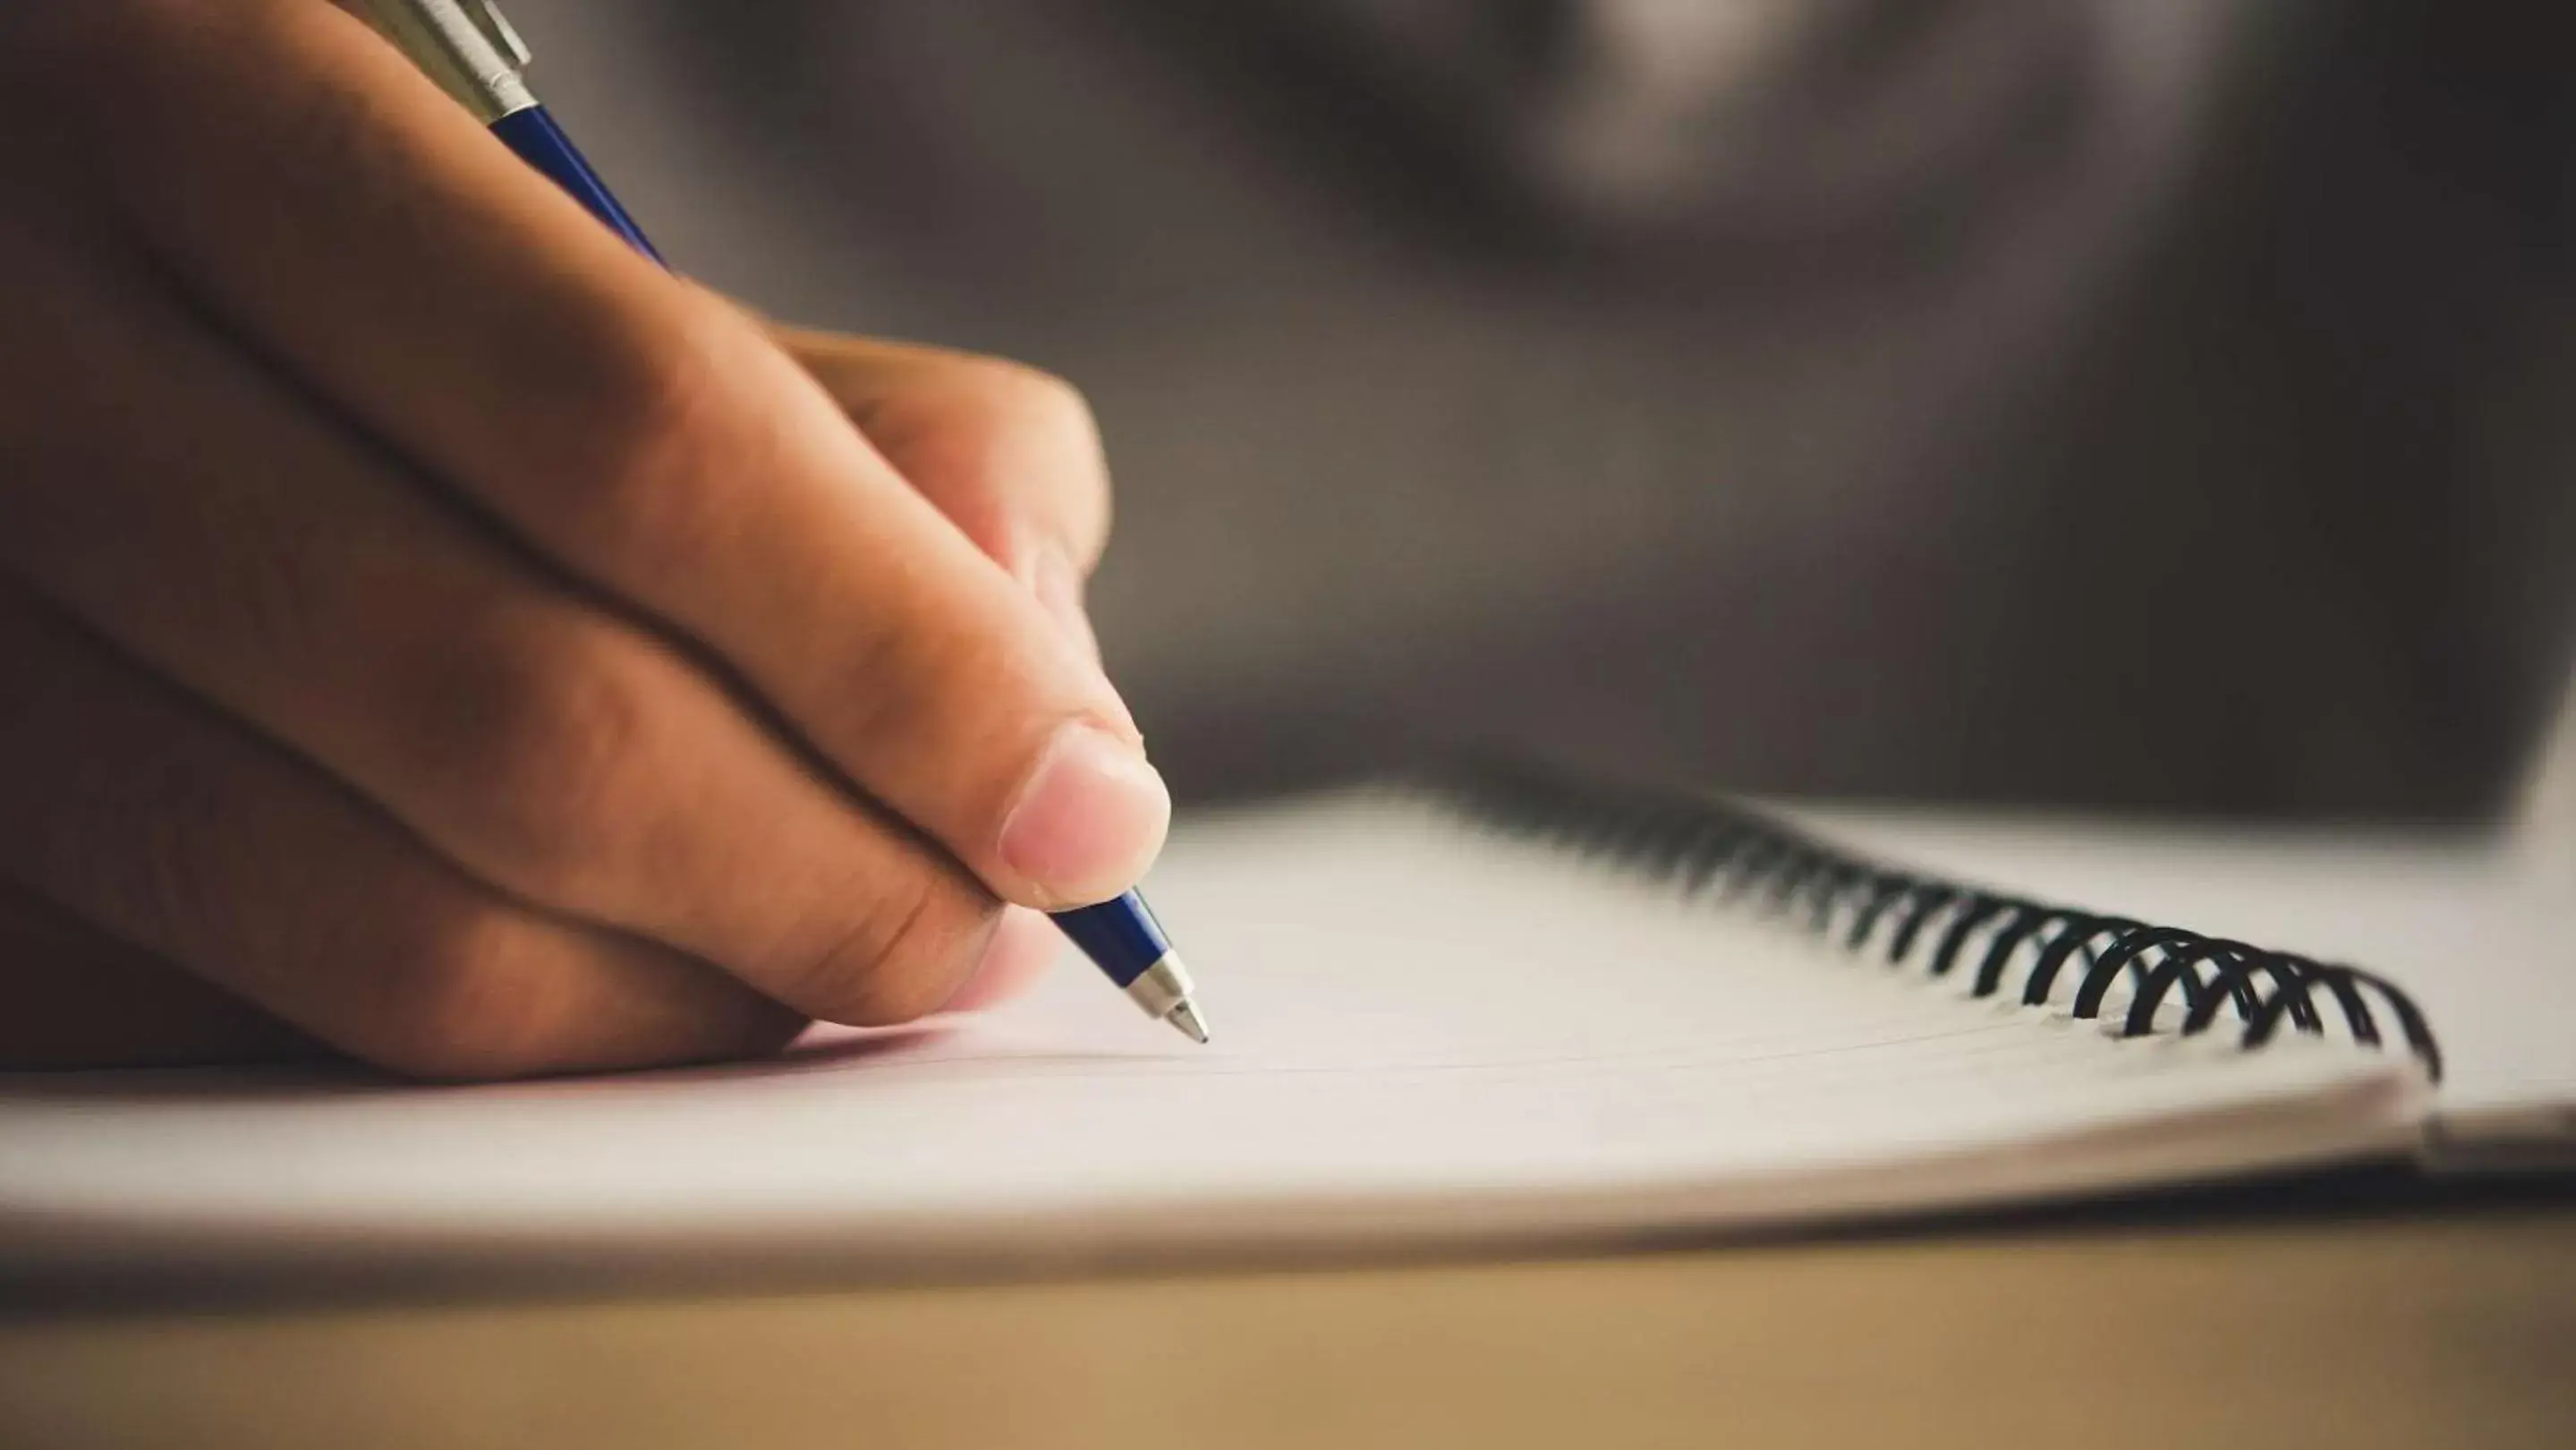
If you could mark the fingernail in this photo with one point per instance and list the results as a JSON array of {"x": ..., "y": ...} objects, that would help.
[
  {"x": 1089, "y": 820},
  {"x": 1058, "y": 586}
]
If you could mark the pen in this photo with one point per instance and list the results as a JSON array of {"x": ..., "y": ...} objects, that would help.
[{"x": 474, "y": 54}]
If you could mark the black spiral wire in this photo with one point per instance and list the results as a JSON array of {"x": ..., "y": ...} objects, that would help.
[{"x": 1713, "y": 849}]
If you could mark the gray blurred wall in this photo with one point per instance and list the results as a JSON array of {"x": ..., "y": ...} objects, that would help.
[{"x": 2150, "y": 405}]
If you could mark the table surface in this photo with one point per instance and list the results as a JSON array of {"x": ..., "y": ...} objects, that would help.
[{"x": 2451, "y": 1324}]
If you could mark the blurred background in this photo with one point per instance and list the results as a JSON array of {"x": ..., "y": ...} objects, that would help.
[{"x": 2145, "y": 404}]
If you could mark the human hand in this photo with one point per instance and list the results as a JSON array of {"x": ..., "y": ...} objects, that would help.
[{"x": 430, "y": 624}]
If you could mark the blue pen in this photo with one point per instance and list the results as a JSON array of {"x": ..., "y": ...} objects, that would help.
[{"x": 472, "y": 52}]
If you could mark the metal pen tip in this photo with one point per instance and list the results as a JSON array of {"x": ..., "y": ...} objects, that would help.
[{"x": 1185, "y": 1016}]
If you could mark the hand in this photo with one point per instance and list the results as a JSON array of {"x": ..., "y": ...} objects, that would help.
[{"x": 429, "y": 630}]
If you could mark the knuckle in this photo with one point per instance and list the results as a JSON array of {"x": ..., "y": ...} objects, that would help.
[
  {"x": 1057, "y": 423},
  {"x": 482, "y": 991},
  {"x": 1044, "y": 398},
  {"x": 467, "y": 1004},
  {"x": 919, "y": 682},
  {"x": 52, "y": 55},
  {"x": 565, "y": 750},
  {"x": 901, "y": 956},
  {"x": 1042, "y": 405},
  {"x": 109, "y": 811},
  {"x": 664, "y": 439},
  {"x": 83, "y": 60},
  {"x": 163, "y": 876},
  {"x": 52, "y": 36},
  {"x": 272, "y": 578}
]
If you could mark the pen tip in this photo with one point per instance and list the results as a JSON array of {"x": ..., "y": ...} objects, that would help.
[{"x": 1185, "y": 1016}]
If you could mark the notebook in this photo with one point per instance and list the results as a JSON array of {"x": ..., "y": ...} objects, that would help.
[
  {"x": 2482, "y": 937},
  {"x": 1496, "y": 1009}
]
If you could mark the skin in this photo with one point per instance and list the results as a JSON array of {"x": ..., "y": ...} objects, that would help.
[{"x": 433, "y": 634}]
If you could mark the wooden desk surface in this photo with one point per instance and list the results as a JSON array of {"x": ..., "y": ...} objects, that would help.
[{"x": 2442, "y": 1329}]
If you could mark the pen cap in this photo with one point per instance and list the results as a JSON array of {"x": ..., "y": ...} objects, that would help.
[{"x": 467, "y": 46}]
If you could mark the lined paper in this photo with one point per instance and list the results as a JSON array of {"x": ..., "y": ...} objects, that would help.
[{"x": 1422, "y": 1035}]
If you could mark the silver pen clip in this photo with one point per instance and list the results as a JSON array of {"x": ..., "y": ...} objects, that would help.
[
  {"x": 496, "y": 28},
  {"x": 468, "y": 47}
]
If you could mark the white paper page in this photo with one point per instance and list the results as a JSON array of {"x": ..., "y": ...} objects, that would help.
[
  {"x": 1419, "y": 1037},
  {"x": 2486, "y": 946}
]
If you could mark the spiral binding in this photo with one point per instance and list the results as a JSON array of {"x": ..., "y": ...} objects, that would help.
[{"x": 1708, "y": 847}]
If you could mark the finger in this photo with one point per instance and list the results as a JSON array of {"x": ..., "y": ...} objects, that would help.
[
  {"x": 187, "y": 506},
  {"x": 1008, "y": 453},
  {"x": 1025, "y": 946},
  {"x": 78, "y": 998},
  {"x": 636, "y": 430},
  {"x": 146, "y": 816}
]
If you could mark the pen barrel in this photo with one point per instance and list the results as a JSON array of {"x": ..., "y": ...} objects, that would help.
[
  {"x": 1121, "y": 936},
  {"x": 538, "y": 141}
]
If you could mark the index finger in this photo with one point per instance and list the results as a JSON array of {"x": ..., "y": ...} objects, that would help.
[{"x": 635, "y": 430}]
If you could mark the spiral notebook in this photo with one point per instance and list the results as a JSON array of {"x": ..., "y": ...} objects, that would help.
[{"x": 1498, "y": 1009}]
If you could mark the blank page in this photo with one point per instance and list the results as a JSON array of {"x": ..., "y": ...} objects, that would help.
[{"x": 1422, "y": 1035}]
